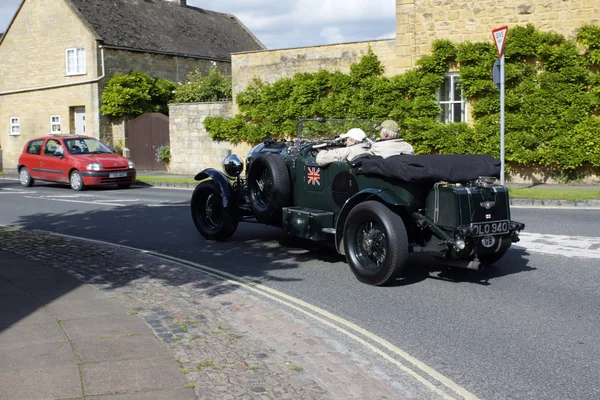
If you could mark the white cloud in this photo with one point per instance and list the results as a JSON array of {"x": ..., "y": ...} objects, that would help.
[
  {"x": 332, "y": 35},
  {"x": 293, "y": 23}
]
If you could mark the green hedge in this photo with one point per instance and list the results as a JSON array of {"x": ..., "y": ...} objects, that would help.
[{"x": 552, "y": 100}]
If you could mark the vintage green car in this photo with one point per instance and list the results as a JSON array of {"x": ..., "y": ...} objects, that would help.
[{"x": 376, "y": 211}]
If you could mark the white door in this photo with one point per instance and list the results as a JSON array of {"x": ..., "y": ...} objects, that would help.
[{"x": 80, "y": 120}]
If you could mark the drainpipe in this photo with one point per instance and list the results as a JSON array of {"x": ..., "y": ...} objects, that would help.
[{"x": 64, "y": 84}]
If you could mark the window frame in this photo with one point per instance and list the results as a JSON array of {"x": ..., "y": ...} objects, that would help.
[
  {"x": 52, "y": 124},
  {"x": 78, "y": 69},
  {"x": 11, "y": 125},
  {"x": 454, "y": 79}
]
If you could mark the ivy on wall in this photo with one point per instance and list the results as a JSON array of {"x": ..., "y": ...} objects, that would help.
[{"x": 552, "y": 100}]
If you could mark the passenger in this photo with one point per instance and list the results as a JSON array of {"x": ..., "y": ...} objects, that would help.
[
  {"x": 355, "y": 146},
  {"x": 390, "y": 144}
]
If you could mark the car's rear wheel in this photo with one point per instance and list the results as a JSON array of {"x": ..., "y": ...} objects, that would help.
[
  {"x": 269, "y": 187},
  {"x": 212, "y": 220},
  {"x": 124, "y": 185},
  {"x": 25, "y": 178},
  {"x": 76, "y": 181},
  {"x": 375, "y": 243}
]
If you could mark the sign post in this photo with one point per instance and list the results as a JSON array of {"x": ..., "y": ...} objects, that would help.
[{"x": 499, "y": 36}]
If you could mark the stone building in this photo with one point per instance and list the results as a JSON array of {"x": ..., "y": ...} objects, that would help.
[{"x": 54, "y": 65}]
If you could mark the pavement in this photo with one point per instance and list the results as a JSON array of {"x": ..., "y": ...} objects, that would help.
[{"x": 94, "y": 321}]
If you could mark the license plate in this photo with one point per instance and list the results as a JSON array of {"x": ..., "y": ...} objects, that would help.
[
  {"x": 490, "y": 228},
  {"x": 117, "y": 175}
]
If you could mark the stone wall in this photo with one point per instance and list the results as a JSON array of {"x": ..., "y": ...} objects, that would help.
[
  {"x": 192, "y": 150},
  {"x": 420, "y": 22},
  {"x": 270, "y": 65}
]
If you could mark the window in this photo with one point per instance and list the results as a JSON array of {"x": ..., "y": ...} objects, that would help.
[
  {"x": 53, "y": 148},
  {"x": 454, "y": 106},
  {"x": 55, "y": 124},
  {"x": 76, "y": 61},
  {"x": 35, "y": 146},
  {"x": 15, "y": 126}
]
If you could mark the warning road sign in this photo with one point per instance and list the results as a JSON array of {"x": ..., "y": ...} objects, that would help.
[{"x": 500, "y": 38}]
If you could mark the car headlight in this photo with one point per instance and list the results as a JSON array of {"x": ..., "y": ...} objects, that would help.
[
  {"x": 131, "y": 164},
  {"x": 94, "y": 167}
]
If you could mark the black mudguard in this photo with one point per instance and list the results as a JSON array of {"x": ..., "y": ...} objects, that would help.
[{"x": 227, "y": 193}]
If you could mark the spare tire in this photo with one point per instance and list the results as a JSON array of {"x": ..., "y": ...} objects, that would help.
[{"x": 269, "y": 187}]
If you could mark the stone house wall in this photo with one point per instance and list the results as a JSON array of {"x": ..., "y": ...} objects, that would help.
[
  {"x": 33, "y": 56},
  {"x": 420, "y": 22},
  {"x": 192, "y": 150}
]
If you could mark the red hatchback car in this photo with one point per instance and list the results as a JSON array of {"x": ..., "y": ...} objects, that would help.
[{"x": 78, "y": 160}]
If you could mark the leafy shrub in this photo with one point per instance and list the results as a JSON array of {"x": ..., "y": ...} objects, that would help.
[
  {"x": 213, "y": 87},
  {"x": 163, "y": 154},
  {"x": 136, "y": 93}
]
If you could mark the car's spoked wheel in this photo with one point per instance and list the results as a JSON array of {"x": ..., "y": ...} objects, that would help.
[
  {"x": 25, "y": 178},
  {"x": 76, "y": 181},
  {"x": 265, "y": 186},
  {"x": 370, "y": 242},
  {"x": 211, "y": 219},
  {"x": 375, "y": 243}
]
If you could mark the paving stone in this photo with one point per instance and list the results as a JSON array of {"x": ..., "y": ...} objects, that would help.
[
  {"x": 176, "y": 394},
  {"x": 33, "y": 334},
  {"x": 20, "y": 356},
  {"x": 117, "y": 325},
  {"x": 86, "y": 309},
  {"x": 25, "y": 317},
  {"x": 120, "y": 348},
  {"x": 7, "y": 288},
  {"x": 132, "y": 376},
  {"x": 84, "y": 292},
  {"x": 18, "y": 300},
  {"x": 41, "y": 384}
]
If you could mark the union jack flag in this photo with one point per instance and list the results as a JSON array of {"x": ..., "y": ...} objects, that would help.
[{"x": 314, "y": 176}]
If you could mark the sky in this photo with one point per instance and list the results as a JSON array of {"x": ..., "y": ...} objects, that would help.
[{"x": 288, "y": 23}]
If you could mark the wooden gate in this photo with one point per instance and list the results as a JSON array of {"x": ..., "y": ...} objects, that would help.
[{"x": 145, "y": 135}]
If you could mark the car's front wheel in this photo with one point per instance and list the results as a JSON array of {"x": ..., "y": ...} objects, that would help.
[
  {"x": 25, "y": 178},
  {"x": 76, "y": 181},
  {"x": 212, "y": 220},
  {"x": 375, "y": 243}
]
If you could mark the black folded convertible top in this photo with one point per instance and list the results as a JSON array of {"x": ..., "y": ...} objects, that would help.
[{"x": 434, "y": 168}]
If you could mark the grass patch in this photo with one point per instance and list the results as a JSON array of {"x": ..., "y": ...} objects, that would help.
[
  {"x": 253, "y": 367},
  {"x": 554, "y": 194},
  {"x": 209, "y": 364},
  {"x": 296, "y": 368}
]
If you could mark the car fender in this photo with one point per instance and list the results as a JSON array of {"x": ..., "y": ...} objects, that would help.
[
  {"x": 384, "y": 196},
  {"x": 222, "y": 182}
]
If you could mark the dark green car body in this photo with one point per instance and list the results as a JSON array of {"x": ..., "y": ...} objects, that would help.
[{"x": 374, "y": 220}]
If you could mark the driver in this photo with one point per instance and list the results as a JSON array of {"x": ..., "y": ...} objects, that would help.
[{"x": 355, "y": 146}]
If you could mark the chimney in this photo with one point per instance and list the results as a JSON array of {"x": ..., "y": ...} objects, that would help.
[{"x": 182, "y": 3}]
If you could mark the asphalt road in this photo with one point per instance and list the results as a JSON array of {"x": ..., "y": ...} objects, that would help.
[{"x": 527, "y": 328}]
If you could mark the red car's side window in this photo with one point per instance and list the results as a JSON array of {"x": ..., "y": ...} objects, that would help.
[{"x": 35, "y": 147}]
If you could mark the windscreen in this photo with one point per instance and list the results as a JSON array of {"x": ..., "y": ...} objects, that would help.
[{"x": 85, "y": 146}]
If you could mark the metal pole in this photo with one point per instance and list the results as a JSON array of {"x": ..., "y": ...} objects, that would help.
[{"x": 502, "y": 119}]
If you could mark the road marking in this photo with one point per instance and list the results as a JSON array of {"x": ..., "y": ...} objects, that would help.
[
  {"x": 167, "y": 205},
  {"x": 568, "y": 246},
  {"x": 582, "y": 208},
  {"x": 77, "y": 201},
  {"x": 314, "y": 312},
  {"x": 2, "y": 192}
]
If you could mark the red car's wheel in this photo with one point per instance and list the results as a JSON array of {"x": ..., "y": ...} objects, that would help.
[
  {"x": 76, "y": 181},
  {"x": 25, "y": 178}
]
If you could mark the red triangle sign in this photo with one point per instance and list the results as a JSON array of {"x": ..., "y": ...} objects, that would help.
[{"x": 499, "y": 36}]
